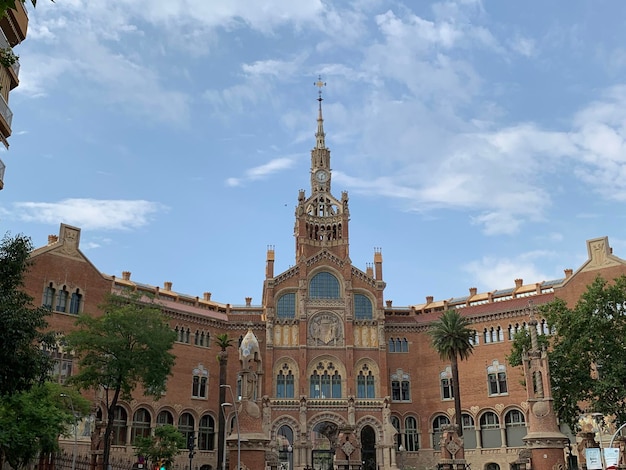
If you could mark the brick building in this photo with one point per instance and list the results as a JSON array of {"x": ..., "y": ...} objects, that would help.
[
  {"x": 13, "y": 26},
  {"x": 342, "y": 375}
]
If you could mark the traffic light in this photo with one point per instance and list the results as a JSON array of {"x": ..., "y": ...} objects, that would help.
[{"x": 191, "y": 441}]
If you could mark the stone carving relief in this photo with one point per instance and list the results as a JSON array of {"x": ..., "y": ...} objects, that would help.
[{"x": 325, "y": 329}]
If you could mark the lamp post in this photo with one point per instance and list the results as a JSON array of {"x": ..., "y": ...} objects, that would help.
[
  {"x": 401, "y": 452},
  {"x": 224, "y": 405},
  {"x": 616, "y": 433},
  {"x": 232, "y": 395},
  {"x": 63, "y": 395}
]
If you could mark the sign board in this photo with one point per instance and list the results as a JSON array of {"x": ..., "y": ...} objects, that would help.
[
  {"x": 594, "y": 458},
  {"x": 611, "y": 457}
]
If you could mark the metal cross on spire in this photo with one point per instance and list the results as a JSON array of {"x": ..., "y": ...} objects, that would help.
[{"x": 319, "y": 84}]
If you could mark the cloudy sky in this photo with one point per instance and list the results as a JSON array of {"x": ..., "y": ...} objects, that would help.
[{"x": 479, "y": 141}]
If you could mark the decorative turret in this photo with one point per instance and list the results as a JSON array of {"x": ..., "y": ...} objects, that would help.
[
  {"x": 321, "y": 219},
  {"x": 544, "y": 439}
]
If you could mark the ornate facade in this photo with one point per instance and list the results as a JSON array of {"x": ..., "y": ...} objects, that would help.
[{"x": 330, "y": 371}]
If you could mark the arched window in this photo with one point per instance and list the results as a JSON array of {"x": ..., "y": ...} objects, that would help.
[
  {"x": 285, "y": 382},
  {"x": 120, "y": 418},
  {"x": 48, "y": 296},
  {"x": 199, "y": 382},
  {"x": 392, "y": 345},
  {"x": 141, "y": 425},
  {"x": 365, "y": 383},
  {"x": 395, "y": 422},
  {"x": 405, "y": 345},
  {"x": 325, "y": 382},
  {"x": 515, "y": 428},
  {"x": 165, "y": 417},
  {"x": 206, "y": 433},
  {"x": 411, "y": 438},
  {"x": 62, "y": 300},
  {"x": 400, "y": 386},
  {"x": 324, "y": 286},
  {"x": 286, "y": 306},
  {"x": 362, "y": 307},
  {"x": 75, "y": 302},
  {"x": 469, "y": 431},
  {"x": 490, "y": 430},
  {"x": 186, "y": 424},
  {"x": 438, "y": 423}
]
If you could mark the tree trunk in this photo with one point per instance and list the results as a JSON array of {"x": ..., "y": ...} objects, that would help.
[
  {"x": 457, "y": 395},
  {"x": 109, "y": 430},
  {"x": 222, "y": 357}
]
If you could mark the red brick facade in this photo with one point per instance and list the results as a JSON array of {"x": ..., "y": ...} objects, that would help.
[{"x": 340, "y": 367}]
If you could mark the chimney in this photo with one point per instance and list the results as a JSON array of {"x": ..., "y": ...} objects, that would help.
[
  {"x": 248, "y": 301},
  {"x": 378, "y": 263},
  {"x": 388, "y": 303},
  {"x": 206, "y": 296},
  {"x": 126, "y": 275},
  {"x": 473, "y": 291},
  {"x": 269, "y": 263},
  {"x": 167, "y": 285},
  {"x": 52, "y": 239},
  {"x": 519, "y": 283},
  {"x": 568, "y": 273},
  {"x": 429, "y": 299},
  {"x": 369, "y": 270}
]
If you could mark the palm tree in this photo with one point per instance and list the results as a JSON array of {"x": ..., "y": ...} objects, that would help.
[
  {"x": 451, "y": 338},
  {"x": 223, "y": 342}
]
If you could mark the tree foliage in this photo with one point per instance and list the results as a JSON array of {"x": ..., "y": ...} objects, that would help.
[
  {"x": 587, "y": 354},
  {"x": 22, "y": 361},
  {"x": 451, "y": 337},
  {"x": 164, "y": 446},
  {"x": 6, "y": 4},
  {"x": 128, "y": 346},
  {"x": 31, "y": 421}
]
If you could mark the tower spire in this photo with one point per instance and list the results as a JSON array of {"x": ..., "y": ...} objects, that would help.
[{"x": 319, "y": 135}]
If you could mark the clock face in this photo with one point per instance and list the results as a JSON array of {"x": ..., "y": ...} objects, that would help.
[{"x": 321, "y": 176}]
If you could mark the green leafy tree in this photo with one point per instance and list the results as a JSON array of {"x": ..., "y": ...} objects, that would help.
[
  {"x": 451, "y": 337},
  {"x": 521, "y": 343},
  {"x": 31, "y": 421},
  {"x": 6, "y": 4},
  {"x": 223, "y": 341},
  {"x": 127, "y": 346},
  {"x": 587, "y": 354},
  {"x": 166, "y": 444},
  {"x": 22, "y": 361}
]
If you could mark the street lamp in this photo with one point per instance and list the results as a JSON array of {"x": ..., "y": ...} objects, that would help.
[
  {"x": 401, "y": 452},
  {"x": 63, "y": 395},
  {"x": 232, "y": 395},
  {"x": 224, "y": 405}
]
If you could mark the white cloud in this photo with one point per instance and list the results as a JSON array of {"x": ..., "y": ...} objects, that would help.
[
  {"x": 262, "y": 171},
  {"x": 489, "y": 273},
  {"x": 90, "y": 214}
]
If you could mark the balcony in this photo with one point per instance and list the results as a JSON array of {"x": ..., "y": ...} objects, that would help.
[
  {"x": 15, "y": 23},
  {"x": 6, "y": 118},
  {"x": 2, "y": 167},
  {"x": 14, "y": 69}
]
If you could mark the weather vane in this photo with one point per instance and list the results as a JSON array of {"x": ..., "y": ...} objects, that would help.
[{"x": 319, "y": 84}]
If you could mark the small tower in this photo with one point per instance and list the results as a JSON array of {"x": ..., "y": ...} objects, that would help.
[
  {"x": 249, "y": 443},
  {"x": 544, "y": 439},
  {"x": 321, "y": 219}
]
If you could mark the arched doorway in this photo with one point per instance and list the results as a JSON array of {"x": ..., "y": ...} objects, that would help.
[
  {"x": 323, "y": 437},
  {"x": 368, "y": 448}
]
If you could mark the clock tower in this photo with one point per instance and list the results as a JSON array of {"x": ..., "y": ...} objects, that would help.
[{"x": 321, "y": 219}]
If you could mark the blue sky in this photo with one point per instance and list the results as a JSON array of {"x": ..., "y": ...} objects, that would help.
[{"x": 479, "y": 141}]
